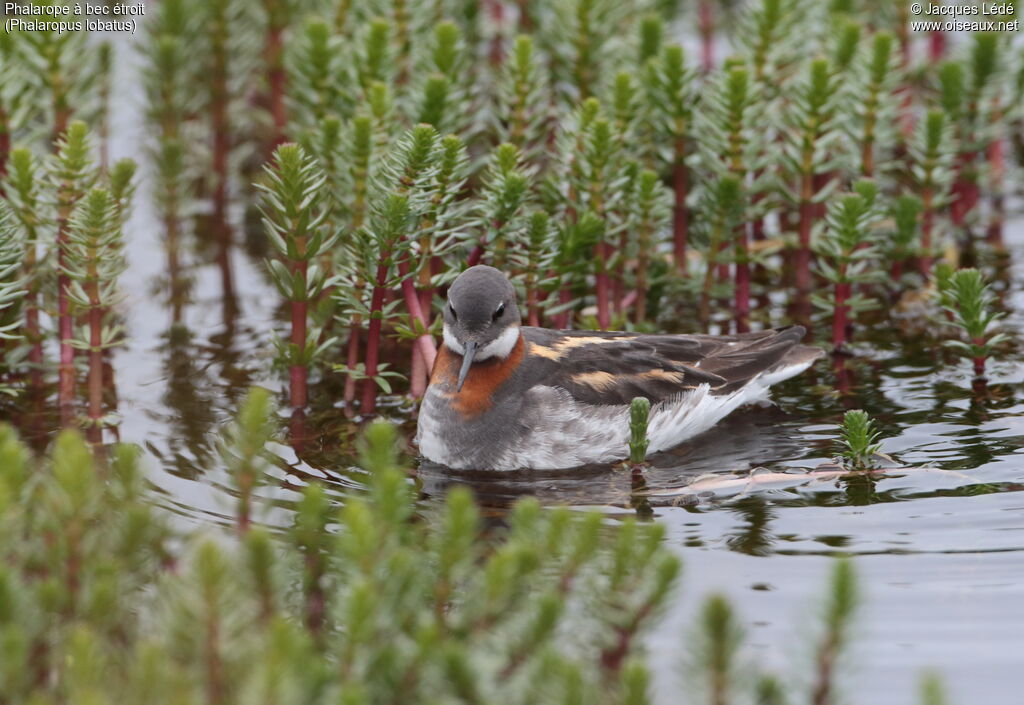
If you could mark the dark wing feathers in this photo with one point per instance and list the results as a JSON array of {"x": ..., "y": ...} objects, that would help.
[{"x": 613, "y": 368}]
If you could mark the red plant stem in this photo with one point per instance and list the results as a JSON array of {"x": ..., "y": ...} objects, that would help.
[
  {"x": 564, "y": 297},
  {"x": 706, "y": 22},
  {"x": 680, "y": 214},
  {"x": 979, "y": 362},
  {"x": 417, "y": 374},
  {"x": 475, "y": 256},
  {"x": 424, "y": 342},
  {"x": 742, "y": 281},
  {"x": 95, "y": 432},
  {"x": 803, "y": 253},
  {"x": 66, "y": 369},
  {"x": 219, "y": 126},
  {"x": 603, "y": 313},
  {"x": 840, "y": 316},
  {"x": 965, "y": 191},
  {"x": 897, "y": 270},
  {"x": 369, "y": 400},
  {"x": 927, "y": 225},
  {"x": 299, "y": 373},
  {"x": 936, "y": 46},
  {"x": 497, "y": 51},
  {"x": 525, "y": 18},
  {"x": 352, "y": 360},
  {"x": 997, "y": 168}
]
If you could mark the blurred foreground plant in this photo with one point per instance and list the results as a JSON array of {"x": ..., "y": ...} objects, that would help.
[{"x": 377, "y": 601}]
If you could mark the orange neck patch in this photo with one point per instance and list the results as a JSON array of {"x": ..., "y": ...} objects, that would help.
[{"x": 481, "y": 383}]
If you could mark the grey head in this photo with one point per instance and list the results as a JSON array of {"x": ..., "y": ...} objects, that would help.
[{"x": 481, "y": 318}]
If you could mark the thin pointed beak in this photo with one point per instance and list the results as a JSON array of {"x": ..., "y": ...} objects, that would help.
[{"x": 467, "y": 360}]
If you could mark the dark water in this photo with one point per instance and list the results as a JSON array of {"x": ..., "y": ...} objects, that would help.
[{"x": 940, "y": 551}]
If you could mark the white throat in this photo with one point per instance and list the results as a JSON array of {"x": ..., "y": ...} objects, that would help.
[{"x": 499, "y": 347}]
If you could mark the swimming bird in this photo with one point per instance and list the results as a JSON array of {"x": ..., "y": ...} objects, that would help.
[{"x": 503, "y": 396}]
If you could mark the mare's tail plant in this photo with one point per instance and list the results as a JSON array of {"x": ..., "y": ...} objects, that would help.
[
  {"x": 905, "y": 212},
  {"x": 669, "y": 83},
  {"x": 293, "y": 217},
  {"x": 23, "y": 197},
  {"x": 71, "y": 174},
  {"x": 243, "y": 448},
  {"x": 12, "y": 294},
  {"x": 171, "y": 103},
  {"x": 840, "y": 607},
  {"x": 969, "y": 299},
  {"x": 719, "y": 639},
  {"x": 402, "y": 195},
  {"x": 728, "y": 118},
  {"x": 846, "y": 253},
  {"x": 93, "y": 260},
  {"x": 723, "y": 207},
  {"x": 933, "y": 151},
  {"x": 811, "y": 154},
  {"x": 877, "y": 75},
  {"x": 858, "y": 439},
  {"x": 639, "y": 412}
]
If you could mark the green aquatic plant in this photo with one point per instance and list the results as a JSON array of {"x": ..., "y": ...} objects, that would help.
[
  {"x": 293, "y": 218},
  {"x": 731, "y": 146},
  {"x": 243, "y": 446},
  {"x": 13, "y": 291},
  {"x": 858, "y": 439},
  {"x": 670, "y": 85},
  {"x": 522, "y": 112},
  {"x": 24, "y": 199},
  {"x": 933, "y": 150},
  {"x": 71, "y": 174},
  {"x": 877, "y": 75},
  {"x": 722, "y": 209},
  {"x": 719, "y": 638},
  {"x": 811, "y": 135},
  {"x": 639, "y": 411},
  {"x": 651, "y": 214},
  {"x": 402, "y": 193},
  {"x": 317, "y": 75},
  {"x": 847, "y": 256},
  {"x": 840, "y": 607},
  {"x": 93, "y": 261},
  {"x": 969, "y": 299},
  {"x": 903, "y": 242},
  {"x": 170, "y": 105}
]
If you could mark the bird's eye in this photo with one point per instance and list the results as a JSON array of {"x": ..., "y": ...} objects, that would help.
[
  {"x": 452, "y": 309},
  {"x": 497, "y": 314}
]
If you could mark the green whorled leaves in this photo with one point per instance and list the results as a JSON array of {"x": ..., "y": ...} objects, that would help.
[
  {"x": 847, "y": 251},
  {"x": 969, "y": 299},
  {"x": 639, "y": 411},
  {"x": 670, "y": 87},
  {"x": 506, "y": 193},
  {"x": 293, "y": 218},
  {"x": 71, "y": 172},
  {"x": 905, "y": 213},
  {"x": 933, "y": 149},
  {"x": 318, "y": 66},
  {"x": 94, "y": 259},
  {"x": 858, "y": 436},
  {"x": 12, "y": 278},
  {"x": 812, "y": 124},
  {"x": 522, "y": 112}
]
